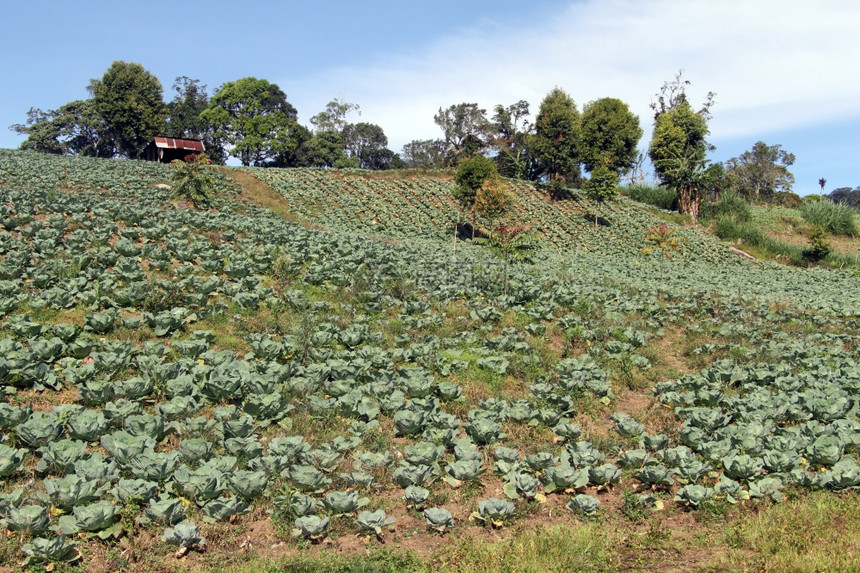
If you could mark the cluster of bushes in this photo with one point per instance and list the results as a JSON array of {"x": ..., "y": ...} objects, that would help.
[
  {"x": 731, "y": 218},
  {"x": 661, "y": 197},
  {"x": 786, "y": 199},
  {"x": 834, "y": 218}
]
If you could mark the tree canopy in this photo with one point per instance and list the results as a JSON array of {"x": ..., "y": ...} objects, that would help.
[
  {"x": 557, "y": 138},
  {"x": 183, "y": 111},
  {"x": 678, "y": 145},
  {"x": 333, "y": 118},
  {"x": 73, "y": 129},
  {"x": 465, "y": 128},
  {"x": 128, "y": 99},
  {"x": 367, "y": 143},
  {"x": 254, "y": 121},
  {"x": 761, "y": 171},
  {"x": 850, "y": 197},
  {"x": 510, "y": 135},
  {"x": 424, "y": 154},
  {"x": 610, "y": 135}
]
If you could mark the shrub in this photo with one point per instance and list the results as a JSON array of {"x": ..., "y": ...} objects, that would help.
[
  {"x": 818, "y": 245},
  {"x": 728, "y": 228},
  {"x": 786, "y": 199},
  {"x": 471, "y": 174},
  {"x": 837, "y": 219},
  {"x": 662, "y": 197},
  {"x": 191, "y": 180},
  {"x": 493, "y": 199},
  {"x": 729, "y": 206}
]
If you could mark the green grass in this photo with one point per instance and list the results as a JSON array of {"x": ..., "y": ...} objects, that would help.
[
  {"x": 763, "y": 246},
  {"x": 834, "y": 218},
  {"x": 380, "y": 561},
  {"x": 585, "y": 547},
  {"x": 661, "y": 197},
  {"x": 820, "y": 532}
]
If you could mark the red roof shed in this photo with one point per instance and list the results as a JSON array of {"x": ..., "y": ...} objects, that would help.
[{"x": 166, "y": 149}]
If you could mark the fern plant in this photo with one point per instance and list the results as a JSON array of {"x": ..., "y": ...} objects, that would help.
[
  {"x": 509, "y": 242},
  {"x": 191, "y": 179}
]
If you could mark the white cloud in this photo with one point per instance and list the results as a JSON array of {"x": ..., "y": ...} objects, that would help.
[{"x": 773, "y": 64}]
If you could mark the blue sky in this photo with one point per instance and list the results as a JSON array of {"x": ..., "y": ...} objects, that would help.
[{"x": 784, "y": 72}]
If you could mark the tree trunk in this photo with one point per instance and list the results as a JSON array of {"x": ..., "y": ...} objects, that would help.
[{"x": 689, "y": 201}]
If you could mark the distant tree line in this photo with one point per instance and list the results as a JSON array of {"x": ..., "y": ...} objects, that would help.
[
  {"x": 251, "y": 120},
  {"x": 846, "y": 195}
]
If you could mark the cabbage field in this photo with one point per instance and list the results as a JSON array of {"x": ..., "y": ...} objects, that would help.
[{"x": 169, "y": 374}]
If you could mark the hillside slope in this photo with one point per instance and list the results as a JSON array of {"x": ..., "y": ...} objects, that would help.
[
  {"x": 170, "y": 373},
  {"x": 419, "y": 204},
  {"x": 408, "y": 206}
]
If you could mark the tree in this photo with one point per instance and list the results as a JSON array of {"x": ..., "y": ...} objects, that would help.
[
  {"x": 601, "y": 186},
  {"x": 41, "y": 131},
  {"x": 465, "y": 128},
  {"x": 846, "y": 195},
  {"x": 367, "y": 142},
  {"x": 471, "y": 175},
  {"x": 556, "y": 141},
  {"x": 678, "y": 146},
  {"x": 493, "y": 198},
  {"x": 761, "y": 171},
  {"x": 183, "y": 112},
  {"x": 73, "y": 129},
  {"x": 510, "y": 137},
  {"x": 325, "y": 149},
  {"x": 424, "y": 154},
  {"x": 610, "y": 135},
  {"x": 128, "y": 99},
  {"x": 185, "y": 117},
  {"x": 333, "y": 118},
  {"x": 253, "y": 120},
  {"x": 673, "y": 94}
]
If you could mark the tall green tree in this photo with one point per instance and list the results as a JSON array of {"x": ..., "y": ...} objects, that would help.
[
  {"x": 333, "y": 118},
  {"x": 601, "y": 186},
  {"x": 325, "y": 149},
  {"x": 510, "y": 136},
  {"x": 610, "y": 135},
  {"x": 424, "y": 154},
  {"x": 362, "y": 144},
  {"x": 465, "y": 127},
  {"x": 73, "y": 129},
  {"x": 846, "y": 195},
  {"x": 678, "y": 146},
  {"x": 184, "y": 110},
  {"x": 761, "y": 171},
  {"x": 128, "y": 99},
  {"x": 557, "y": 138},
  {"x": 185, "y": 117},
  {"x": 253, "y": 120},
  {"x": 368, "y": 143}
]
